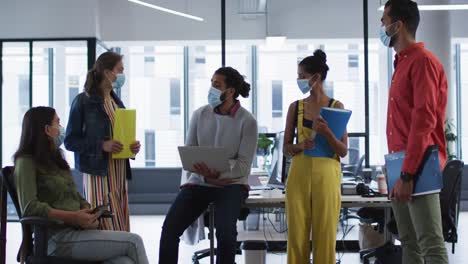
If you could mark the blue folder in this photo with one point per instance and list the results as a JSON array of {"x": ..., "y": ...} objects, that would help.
[
  {"x": 337, "y": 120},
  {"x": 429, "y": 178}
]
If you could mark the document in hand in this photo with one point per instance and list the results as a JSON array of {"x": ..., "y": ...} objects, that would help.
[
  {"x": 429, "y": 178},
  {"x": 215, "y": 158},
  {"x": 124, "y": 131},
  {"x": 337, "y": 120}
]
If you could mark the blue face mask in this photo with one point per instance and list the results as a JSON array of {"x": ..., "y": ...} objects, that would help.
[
  {"x": 303, "y": 85},
  {"x": 58, "y": 140},
  {"x": 214, "y": 97},
  {"x": 119, "y": 81},
  {"x": 384, "y": 37}
]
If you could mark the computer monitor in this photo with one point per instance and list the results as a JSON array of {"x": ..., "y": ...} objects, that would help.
[{"x": 279, "y": 164}]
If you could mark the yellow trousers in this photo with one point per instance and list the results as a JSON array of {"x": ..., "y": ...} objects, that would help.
[{"x": 313, "y": 199}]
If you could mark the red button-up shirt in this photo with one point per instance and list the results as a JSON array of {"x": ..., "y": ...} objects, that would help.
[{"x": 416, "y": 106}]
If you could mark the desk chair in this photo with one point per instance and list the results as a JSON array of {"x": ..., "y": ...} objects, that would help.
[
  {"x": 450, "y": 200},
  {"x": 353, "y": 170},
  {"x": 3, "y": 220},
  {"x": 209, "y": 222},
  {"x": 33, "y": 247}
]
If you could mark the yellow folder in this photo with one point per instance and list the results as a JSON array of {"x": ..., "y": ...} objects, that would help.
[{"x": 124, "y": 131}]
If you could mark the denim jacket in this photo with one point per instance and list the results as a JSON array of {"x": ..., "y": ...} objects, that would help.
[{"x": 88, "y": 127}]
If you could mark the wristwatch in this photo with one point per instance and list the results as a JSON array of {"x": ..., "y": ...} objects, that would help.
[{"x": 406, "y": 177}]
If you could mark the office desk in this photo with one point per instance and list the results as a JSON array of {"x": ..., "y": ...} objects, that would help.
[{"x": 276, "y": 199}]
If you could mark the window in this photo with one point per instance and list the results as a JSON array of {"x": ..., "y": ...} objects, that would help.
[
  {"x": 72, "y": 93},
  {"x": 328, "y": 89},
  {"x": 356, "y": 150},
  {"x": 15, "y": 99},
  {"x": 150, "y": 149},
  {"x": 277, "y": 65},
  {"x": 303, "y": 47},
  {"x": 353, "y": 61},
  {"x": 280, "y": 63},
  {"x": 175, "y": 96},
  {"x": 157, "y": 103},
  {"x": 464, "y": 97},
  {"x": 155, "y": 85},
  {"x": 277, "y": 98},
  {"x": 149, "y": 61},
  {"x": 200, "y": 60},
  {"x": 73, "y": 90},
  {"x": 199, "y": 52},
  {"x": 59, "y": 74},
  {"x": 149, "y": 66},
  {"x": 160, "y": 98},
  {"x": 238, "y": 57},
  {"x": 23, "y": 93}
]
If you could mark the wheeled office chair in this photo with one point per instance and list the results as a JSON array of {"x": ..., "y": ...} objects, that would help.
[
  {"x": 353, "y": 170},
  {"x": 450, "y": 200},
  {"x": 33, "y": 249}
]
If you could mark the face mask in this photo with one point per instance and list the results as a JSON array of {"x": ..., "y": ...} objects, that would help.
[
  {"x": 303, "y": 85},
  {"x": 384, "y": 37},
  {"x": 119, "y": 81},
  {"x": 214, "y": 97},
  {"x": 58, "y": 140}
]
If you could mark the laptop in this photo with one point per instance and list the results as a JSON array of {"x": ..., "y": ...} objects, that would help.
[
  {"x": 256, "y": 184},
  {"x": 214, "y": 157}
]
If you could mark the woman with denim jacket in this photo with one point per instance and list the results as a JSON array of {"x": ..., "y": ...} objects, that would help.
[{"x": 89, "y": 135}]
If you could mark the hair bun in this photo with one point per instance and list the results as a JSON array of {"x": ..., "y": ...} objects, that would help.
[
  {"x": 244, "y": 89},
  {"x": 319, "y": 54}
]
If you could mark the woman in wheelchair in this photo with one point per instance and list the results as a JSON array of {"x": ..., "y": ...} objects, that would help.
[
  {"x": 46, "y": 188},
  {"x": 221, "y": 123}
]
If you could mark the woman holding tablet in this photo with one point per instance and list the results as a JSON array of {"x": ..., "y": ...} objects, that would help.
[
  {"x": 313, "y": 194},
  {"x": 222, "y": 123}
]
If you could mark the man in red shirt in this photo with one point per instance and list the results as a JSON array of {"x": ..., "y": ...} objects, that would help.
[{"x": 415, "y": 120}]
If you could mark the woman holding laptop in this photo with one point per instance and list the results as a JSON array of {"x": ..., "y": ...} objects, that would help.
[
  {"x": 313, "y": 195},
  {"x": 222, "y": 123}
]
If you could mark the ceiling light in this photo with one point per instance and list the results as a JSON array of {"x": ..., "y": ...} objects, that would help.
[
  {"x": 170, "y": 11},
  {"x": 437, "y": 7}
]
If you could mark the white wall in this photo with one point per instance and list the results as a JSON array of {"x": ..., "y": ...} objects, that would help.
[
  {"x": 458, "y": 21},
  {"x": 48, "y": 18}
]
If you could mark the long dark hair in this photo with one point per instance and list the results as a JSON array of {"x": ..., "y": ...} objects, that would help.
[
  {"x": 106, "y": 61},
  {"x": 36, "y": 143},
  {"x": 234, "y": 79}
]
